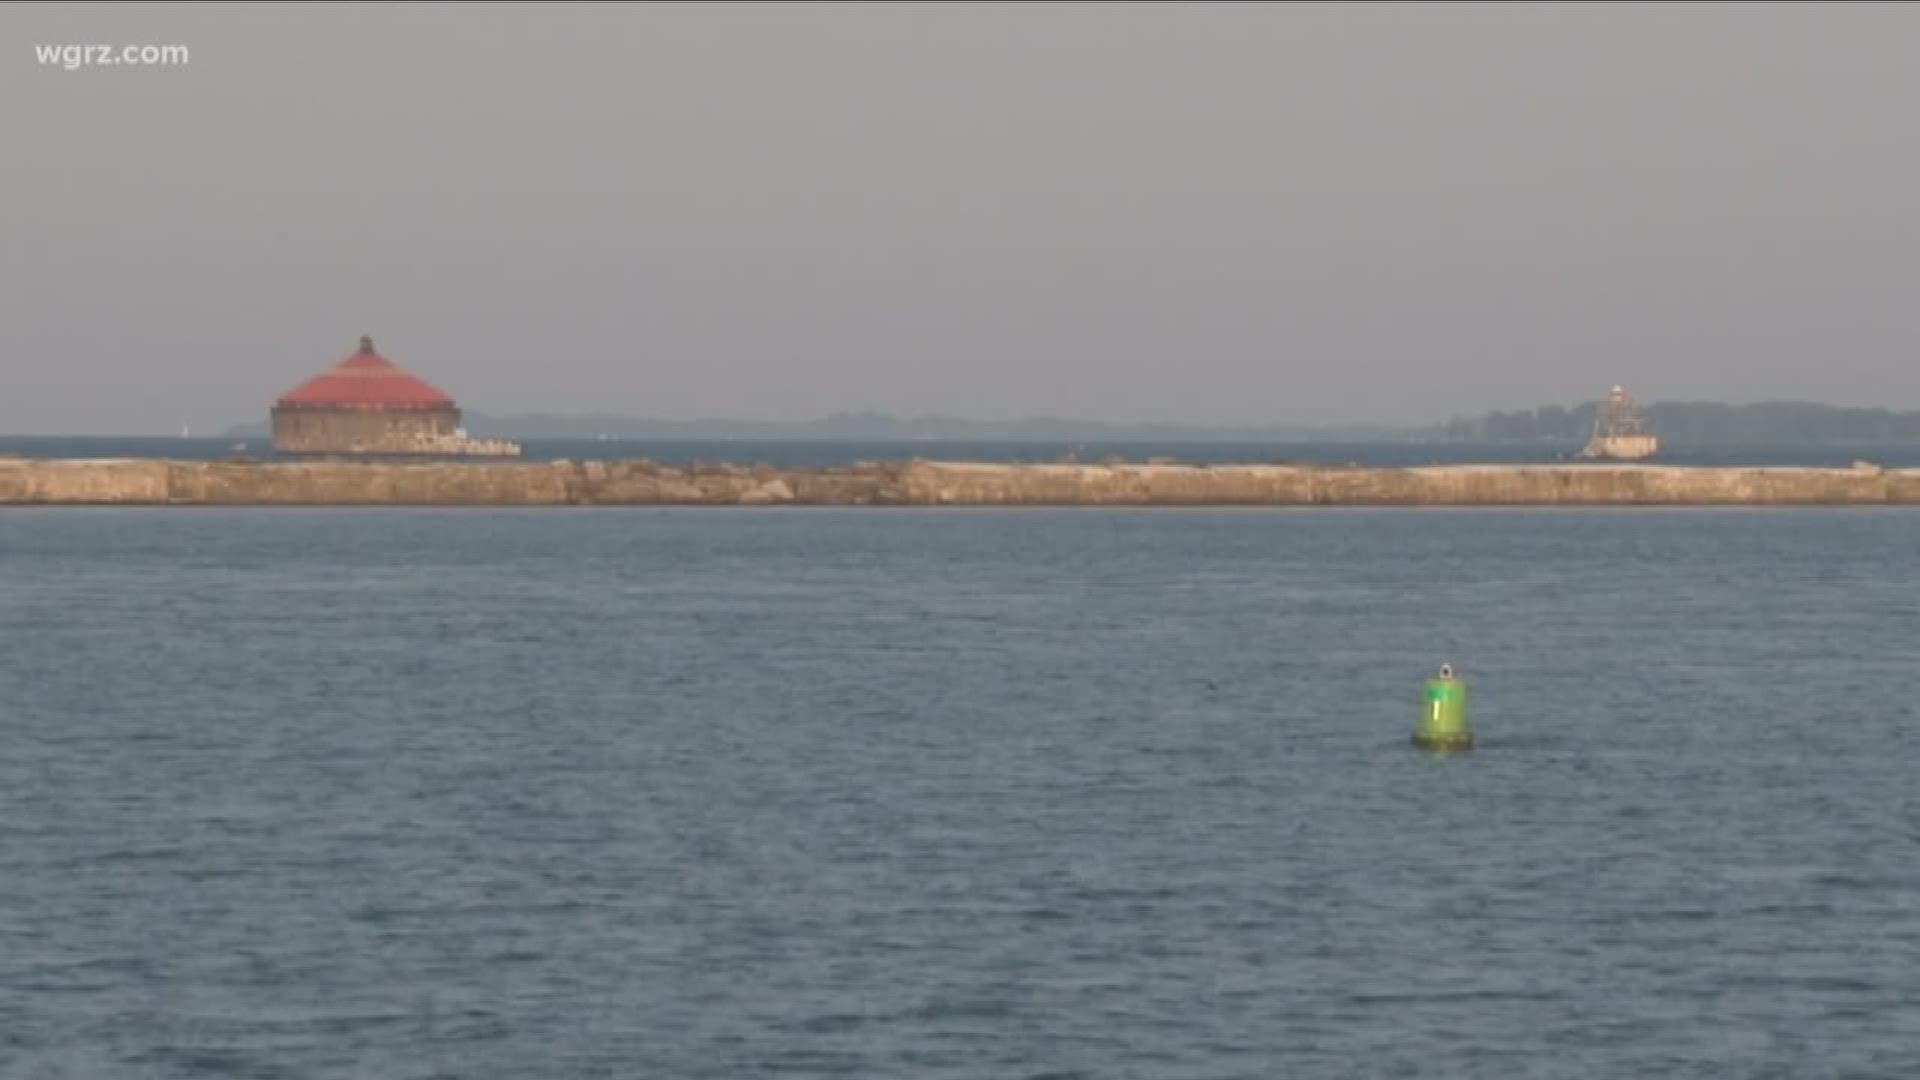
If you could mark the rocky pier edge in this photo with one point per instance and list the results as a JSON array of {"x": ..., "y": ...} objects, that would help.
[{"x": 152, "y": 482}]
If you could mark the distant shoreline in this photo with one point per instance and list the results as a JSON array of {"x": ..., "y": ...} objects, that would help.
[
  {"x": 814, "y": 453},
  {"x": 162, "y": 482}
]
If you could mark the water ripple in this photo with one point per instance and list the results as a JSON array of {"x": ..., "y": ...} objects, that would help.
[{"x": 1029, "y": 794}]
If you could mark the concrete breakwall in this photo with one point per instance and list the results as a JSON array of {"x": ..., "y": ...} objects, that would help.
[
  {"x": 920, "y": 483},
  {"x": 1451, "y": 485},
  {"x": 369, "y": 483}
]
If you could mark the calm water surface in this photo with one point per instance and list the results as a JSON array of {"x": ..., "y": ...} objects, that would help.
[{"x": 746, "y": 793}]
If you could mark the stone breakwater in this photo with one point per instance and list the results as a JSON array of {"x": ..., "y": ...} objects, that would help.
[{"x": 139, "y": 482}]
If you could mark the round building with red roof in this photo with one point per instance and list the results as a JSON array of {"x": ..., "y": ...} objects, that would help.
[{"x": 365, "y": 404}]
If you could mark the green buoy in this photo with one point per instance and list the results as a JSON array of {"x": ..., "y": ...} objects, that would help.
[{"x": 1443, "y": 725}]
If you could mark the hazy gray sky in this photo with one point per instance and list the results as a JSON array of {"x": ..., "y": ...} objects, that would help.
[{"x": 1189, "y": 212}]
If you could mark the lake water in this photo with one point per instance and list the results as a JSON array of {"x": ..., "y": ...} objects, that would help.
[{"x": 885, "y": 794}]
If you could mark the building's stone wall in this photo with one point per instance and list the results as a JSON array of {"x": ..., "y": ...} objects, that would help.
[{"x": 347, "y": 431}]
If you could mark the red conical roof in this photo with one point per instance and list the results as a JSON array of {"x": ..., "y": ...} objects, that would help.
[{"x": 367, "y": 380}]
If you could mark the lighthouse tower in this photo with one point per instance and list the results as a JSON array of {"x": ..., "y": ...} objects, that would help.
[{"x": 1620, "y": 430}]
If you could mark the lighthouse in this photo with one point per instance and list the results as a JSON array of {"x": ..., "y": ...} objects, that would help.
[{"x": 1620, "y": 430}]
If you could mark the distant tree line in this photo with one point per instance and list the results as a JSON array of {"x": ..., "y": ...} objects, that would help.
[
  {"x": 1553, "y": 423},
  {"x": 1688, "y": 423}
]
